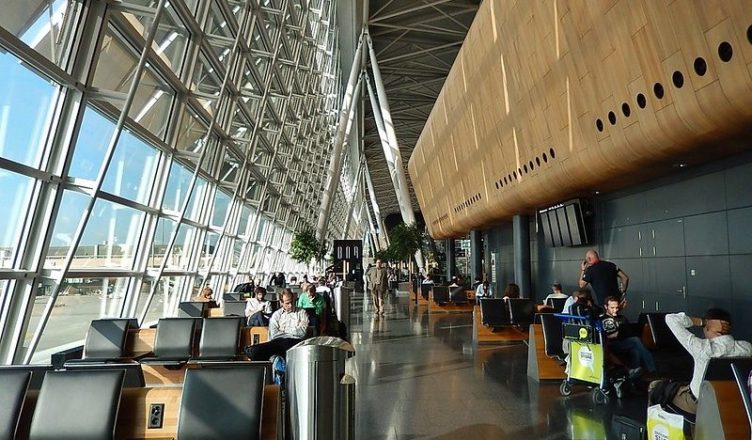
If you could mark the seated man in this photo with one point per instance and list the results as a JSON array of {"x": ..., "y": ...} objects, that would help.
[
  {"x": 427, "y": 280},
  {"x": 623, "y": 343},
  {"x": 556, "y": 293},
  {"x": 257, "y": 309},
  {"x": 483, "y": 291},
  {"x": 718, "y": 342},
  {"x": 323, "y": 289},
  {"x": 287, "y": 327},
  {"x": 581, "y": 295},
  {"x": 313, "y": 300}
]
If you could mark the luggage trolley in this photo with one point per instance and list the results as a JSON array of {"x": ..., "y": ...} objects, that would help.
[{"x": 587, "y": 358}]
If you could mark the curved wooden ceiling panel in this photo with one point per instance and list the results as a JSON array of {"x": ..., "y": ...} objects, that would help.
[{"x": 549, "y": 99}]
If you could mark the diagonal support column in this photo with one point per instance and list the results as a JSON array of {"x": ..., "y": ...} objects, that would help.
[
  {"x": 351, "y": 208},
  {"x": 382, "y": 238},
  {"x": 383, "y": 116},
  {"x": 345, "y": 120}
]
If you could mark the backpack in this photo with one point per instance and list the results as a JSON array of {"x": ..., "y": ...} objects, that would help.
[{"x": 663, "y": 393}]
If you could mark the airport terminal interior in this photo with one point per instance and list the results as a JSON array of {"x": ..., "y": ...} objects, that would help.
[{"x": 375, "y": 219}]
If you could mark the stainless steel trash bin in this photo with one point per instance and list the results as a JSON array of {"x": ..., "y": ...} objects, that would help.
[
  {"x": 321, "y": 396},
  {"x": 342, "y": 305}
]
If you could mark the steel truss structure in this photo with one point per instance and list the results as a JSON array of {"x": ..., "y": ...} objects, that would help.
[
  {"x": 415, "y": 43},
  {"x": 149, "y": 148}
]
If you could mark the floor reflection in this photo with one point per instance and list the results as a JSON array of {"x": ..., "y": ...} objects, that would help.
[{"x": 420, "y": 377}]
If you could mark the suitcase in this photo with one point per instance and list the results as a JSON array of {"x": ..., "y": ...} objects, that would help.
[{"x": 625, "y": 428}]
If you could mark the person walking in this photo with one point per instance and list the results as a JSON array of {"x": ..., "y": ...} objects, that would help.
[{"x": 379, "y": 286}]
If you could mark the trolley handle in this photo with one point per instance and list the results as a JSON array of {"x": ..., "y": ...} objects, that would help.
[{"x": 566, "y": 316}]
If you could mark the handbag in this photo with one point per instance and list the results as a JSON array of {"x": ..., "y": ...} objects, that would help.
[{"x": 625, "y": 428}]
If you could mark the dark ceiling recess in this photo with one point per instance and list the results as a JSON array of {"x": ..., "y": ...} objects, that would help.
[
  {"x": 416, "y": 43},
  {"x": 394, "y": 219}
]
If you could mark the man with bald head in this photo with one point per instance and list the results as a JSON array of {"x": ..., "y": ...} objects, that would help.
[{"x": 604, "y": 278}]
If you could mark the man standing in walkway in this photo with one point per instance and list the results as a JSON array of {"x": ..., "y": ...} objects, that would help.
[
  {"x": 379, "y": 286},
  {"x": 604, "y": 278}
]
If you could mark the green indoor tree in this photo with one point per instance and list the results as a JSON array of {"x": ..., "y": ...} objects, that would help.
[{"x": 304, "y": 246}]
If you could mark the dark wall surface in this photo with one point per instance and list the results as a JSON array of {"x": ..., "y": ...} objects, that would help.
[{"x": 684, "y": 240}]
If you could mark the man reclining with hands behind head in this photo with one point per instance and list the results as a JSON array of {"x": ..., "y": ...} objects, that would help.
[{"x": 718, "y": 342}]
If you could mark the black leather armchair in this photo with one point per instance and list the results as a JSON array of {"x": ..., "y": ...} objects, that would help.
[
  {"x": 173, "y": 344},
  {"x": 494, "y": 312},
  {"x": 13, "y": 386},
  {"x": 77, "y": 405},
  {"x": 233, "y": 308},
  {"x": 458, "y": 295},
  {"x": 552, "y": 335},
  {"x": 221, "y": 403},
  {"x": 192, "y": 309},
  {"x": 440, "y": 294},
  {"x": 521, "y": 311},
  {"x": 220, "y": 338},
  {"x": 105, "y": 341}
]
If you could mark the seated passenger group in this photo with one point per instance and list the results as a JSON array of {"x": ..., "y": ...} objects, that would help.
[{"x": 610, "y": 284}]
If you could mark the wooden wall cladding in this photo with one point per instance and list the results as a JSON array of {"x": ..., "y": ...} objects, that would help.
[{"x": 552, "y": 98}]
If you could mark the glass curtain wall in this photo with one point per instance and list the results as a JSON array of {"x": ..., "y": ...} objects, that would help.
[{"x": 149, "y": 148}]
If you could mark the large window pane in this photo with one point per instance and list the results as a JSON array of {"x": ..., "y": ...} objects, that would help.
[
  {"x": 110, "y": 237},
  {"x": 45, "y": 25},
  {"x": 191, "y": 132},
  {"x": 211, "y": 240},
  {"x": 115, "y": 71},
  {"x": 170, "y": 39},
  {"x": 5, "y": 286},
  {"x": 72, "y": 206},
  {"x": 80, "y": 300},
  {"x": 165, "y": 228},
  {"x": 221, "y": 205},
  {"x": 178, "y": 184},
  {"x": 131, "y": 172},
  {"x": 181, "y": 251},
  {"x": 166, "y": 297},
  {"x": 14, "y": 198},
  {"x": 26, "y": 105},
  {"x": 134, "y": 162},
  {"x": 91, "y": 146}
]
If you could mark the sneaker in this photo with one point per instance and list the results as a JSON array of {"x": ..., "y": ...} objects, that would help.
[
  {"x": 634, "y": 373},
  {"x": 279, "y": 366},
  {"x": 618, "y": 388}
]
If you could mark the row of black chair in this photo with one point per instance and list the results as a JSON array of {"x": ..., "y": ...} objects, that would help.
[
  {"x": 173, "y": 344},
  {"x": 499, "y": 312},
  {"x": 444, "y": 294},
  {"x": 197, "y": 309},
  {"x": 223, "y": 402}
]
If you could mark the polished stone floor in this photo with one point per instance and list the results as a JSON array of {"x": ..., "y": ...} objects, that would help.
[{"x": 420, "y": 377}]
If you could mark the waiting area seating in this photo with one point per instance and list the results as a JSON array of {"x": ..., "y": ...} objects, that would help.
[
  {"x": 449, "y": 299},
  {"x": 205, "y": 388},
  {"x": 192, "y": 309},
  {"x": 229, "y": 401}
]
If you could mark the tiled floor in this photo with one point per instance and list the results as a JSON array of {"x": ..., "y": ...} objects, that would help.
[{"x": 420, "y": 377}]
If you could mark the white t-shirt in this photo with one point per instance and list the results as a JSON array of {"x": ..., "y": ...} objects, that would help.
[{"x": 479, "y": 292}]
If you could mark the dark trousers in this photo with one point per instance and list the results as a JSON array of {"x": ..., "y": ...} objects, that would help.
[
  {"x": 265, "y": 350},
  {"x": 637, "y": 355},
  {"x": 258, "y": 319}
]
